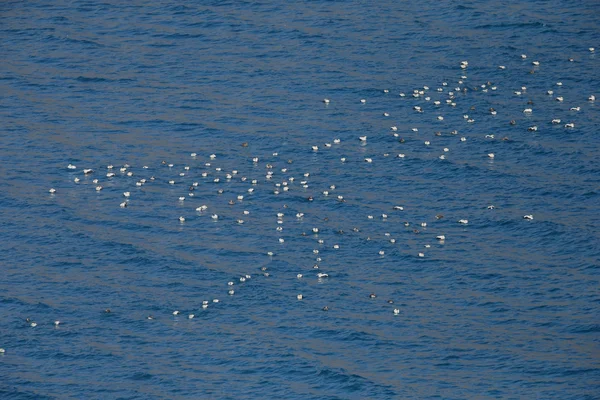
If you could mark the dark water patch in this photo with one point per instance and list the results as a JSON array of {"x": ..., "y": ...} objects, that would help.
[{"x": 593, "y": 328}]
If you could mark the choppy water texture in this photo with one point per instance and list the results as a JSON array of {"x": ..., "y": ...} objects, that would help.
[{"x": 504, "y": 307}]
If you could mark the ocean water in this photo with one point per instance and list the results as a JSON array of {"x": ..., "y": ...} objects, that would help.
[{"x": 504, "y": 307}]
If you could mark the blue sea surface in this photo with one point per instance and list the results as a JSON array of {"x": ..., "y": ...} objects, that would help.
[{"x": 502, "y": 307}]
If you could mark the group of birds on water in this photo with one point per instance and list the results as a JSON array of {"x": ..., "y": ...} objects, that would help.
[{"x": 210, "y": 172}]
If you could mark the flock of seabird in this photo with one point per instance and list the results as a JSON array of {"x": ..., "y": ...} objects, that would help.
[{"x": 198, "y": 175}]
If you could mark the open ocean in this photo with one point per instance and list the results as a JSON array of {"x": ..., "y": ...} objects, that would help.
[{"x": 435, "y": 284}]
